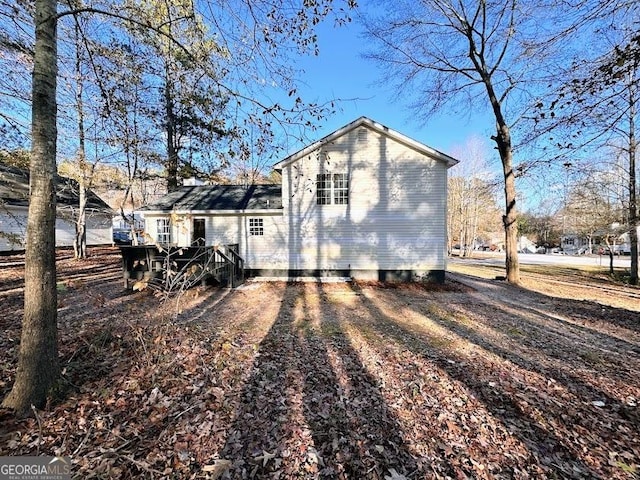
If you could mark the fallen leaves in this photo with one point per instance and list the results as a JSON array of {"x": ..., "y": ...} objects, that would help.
[
  {"x": 216, "y": 469},
  {"x": 372, "y": 381}
]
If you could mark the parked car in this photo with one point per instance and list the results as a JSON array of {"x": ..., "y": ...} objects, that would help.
[{"x": 121, "y": 238}]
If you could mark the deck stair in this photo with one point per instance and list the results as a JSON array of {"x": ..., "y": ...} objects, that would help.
[{"x": 176, "y": 268}]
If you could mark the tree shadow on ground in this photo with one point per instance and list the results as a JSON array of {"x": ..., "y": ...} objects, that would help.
[
  {"x": 581, "y": 310},
  {"x": 550, "y": 351},
  {"x": 309, "y": 407},
  {"x": 571, "y": 335},
  {"x": 540, "y": 430}
]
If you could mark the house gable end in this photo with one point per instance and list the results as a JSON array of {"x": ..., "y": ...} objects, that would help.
[{"x": 327, "y": 141}]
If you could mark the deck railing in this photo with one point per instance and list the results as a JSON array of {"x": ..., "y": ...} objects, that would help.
[{"x": 174, "y": 268}]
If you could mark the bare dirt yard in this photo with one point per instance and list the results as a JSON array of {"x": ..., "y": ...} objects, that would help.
[{"x": 471, "y": 379}]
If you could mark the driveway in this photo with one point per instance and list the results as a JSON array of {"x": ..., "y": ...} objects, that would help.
[{"x": 491, "y": 258}]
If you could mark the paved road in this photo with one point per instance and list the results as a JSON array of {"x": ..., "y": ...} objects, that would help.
[{"x": 549, "y": 259}]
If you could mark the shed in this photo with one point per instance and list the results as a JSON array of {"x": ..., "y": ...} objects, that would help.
[{"x": 14, "y": 206}]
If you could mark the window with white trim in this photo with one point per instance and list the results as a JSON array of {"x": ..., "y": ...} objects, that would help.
[
  {"x": 256, "y": 226},
  {"x": 340, "y": 189},
  {"x": 163, "y": 229},
  {"x": 332, "y": 188},
  {"x": 323, "y": 189}
]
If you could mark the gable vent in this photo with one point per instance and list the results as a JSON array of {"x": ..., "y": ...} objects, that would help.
[{"x": 362, "y": 135}]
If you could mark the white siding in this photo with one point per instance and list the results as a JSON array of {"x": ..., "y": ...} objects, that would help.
[
  {"x": 263, "y": 251},
  {"x": 99, "y": 230},
  {"x": 13, "y": 228},
  {"x": 396, "y": 216},
  {"x": 14, "y": 221}
]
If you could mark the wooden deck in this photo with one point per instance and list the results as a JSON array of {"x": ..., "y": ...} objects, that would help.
[{"x": 173, "y": 268}]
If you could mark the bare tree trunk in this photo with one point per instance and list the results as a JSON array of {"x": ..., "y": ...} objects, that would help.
[
  {"x": 633, "y": 204},
  {"x": 172, "y": 153},
  {"x": 80, "y": 240},
  {"x": 509, "y": 219},
  {"x": 38, "y": 365},
  {"x": 610, "y": 248}
]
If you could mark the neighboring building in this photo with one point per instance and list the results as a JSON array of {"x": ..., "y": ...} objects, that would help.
[
  {"x": 526, "y": 246},
  {"x": 597, "y": 242},
  {"x": 120, "y": 224},
  {"x": 624, "y": 241},
  {"x": 365, "y": 201},
  {"x": 14, "y": 203},
  {"x": 572, "y": 244}
]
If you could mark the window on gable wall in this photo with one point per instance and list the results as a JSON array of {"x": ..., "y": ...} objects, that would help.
[
  {"x": 340, "y": 189},
  {"x": 332, "y": 188},
  {"x": 256, "y": 226},
  {"x": 323, "y": 189}
]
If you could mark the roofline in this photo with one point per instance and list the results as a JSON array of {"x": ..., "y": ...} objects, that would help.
[
  {"x": 257, "y": 211},
  {"x": 106, "y": 210},
  {"x": 60, "y": 182},
  {"x": 421, "y": 147},
  {"x": 63, "y": 206}
]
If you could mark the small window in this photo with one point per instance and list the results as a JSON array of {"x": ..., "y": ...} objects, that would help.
[
  {"x": 323, "y": 189},
  {"x": 256, "y": 226},
  {"x": 163, "y": 228}
]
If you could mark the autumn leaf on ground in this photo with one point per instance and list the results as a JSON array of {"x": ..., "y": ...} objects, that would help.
[
  {"x": 394, "y": 475},
  {"x": 216, "y": 469},
  {"x": 265, "y": 457}
]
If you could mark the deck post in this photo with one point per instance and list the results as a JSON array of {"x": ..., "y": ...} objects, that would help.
[{"x": 125, "y": 272}]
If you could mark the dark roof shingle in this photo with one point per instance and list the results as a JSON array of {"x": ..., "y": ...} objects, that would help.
[
  {"x": 14, "y": 190},
  {"x": 220, "y": 197}
]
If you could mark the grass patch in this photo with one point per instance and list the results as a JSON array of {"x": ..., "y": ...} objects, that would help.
[
  {"x": 514, "y": 332},
  {"x": 591, "y": 357}
]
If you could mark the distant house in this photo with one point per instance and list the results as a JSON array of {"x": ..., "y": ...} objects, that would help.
[
  {"x": 574, "y": 243},
  {"x": 364, "y": 201},
  {"x": 14, "y": 204},
  {"x": 624, "y": 241},
  {"x": 525, "y": 245}
]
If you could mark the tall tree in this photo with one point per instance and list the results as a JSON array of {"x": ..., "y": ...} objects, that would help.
[
  {"x": 471, "y": 205},
  {"x": 474, "y": 52},
  {"x": 190, "y": 106},
  {"x": 85, "y": 170},
  {"x": 38, "y": 365},
  {"x": 597, "y": 109}
]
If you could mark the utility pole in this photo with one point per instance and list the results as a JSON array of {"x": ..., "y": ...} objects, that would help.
[{"x": 567, "y": 166}]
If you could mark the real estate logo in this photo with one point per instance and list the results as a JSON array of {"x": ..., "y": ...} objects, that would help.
[{"x": 35, "y": 468}]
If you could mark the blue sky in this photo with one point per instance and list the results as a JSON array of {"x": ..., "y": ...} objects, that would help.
[{"x": 340, "y": 72}]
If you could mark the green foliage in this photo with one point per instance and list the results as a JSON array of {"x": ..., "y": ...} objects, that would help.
[
  {"x": 12, "y": 238},
  {"x": 15, "y": 158},
  {"x": 542, "y": 229}
]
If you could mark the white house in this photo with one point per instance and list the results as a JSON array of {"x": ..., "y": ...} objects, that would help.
[
  {"x": 364, "y": 201},
  {"x": 14, "y": 205},
  {"x": 625, "y": 242}
]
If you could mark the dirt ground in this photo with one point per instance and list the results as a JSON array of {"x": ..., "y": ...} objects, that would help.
[{"x": 473, "y": 379}]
